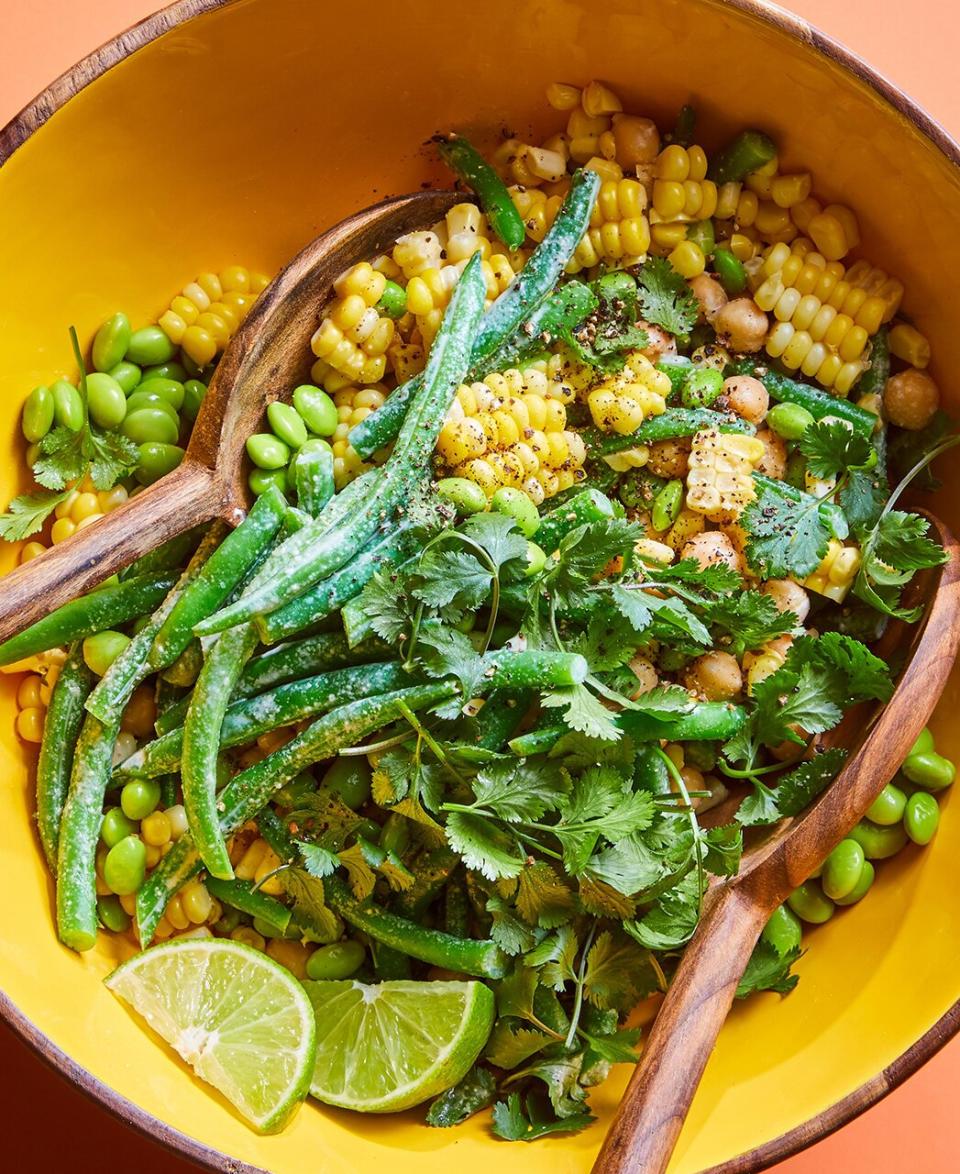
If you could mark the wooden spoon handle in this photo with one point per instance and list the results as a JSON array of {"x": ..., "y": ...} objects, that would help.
[
  {"x": 184, "y": 498},
  {"x": 652, "y": 1111}
]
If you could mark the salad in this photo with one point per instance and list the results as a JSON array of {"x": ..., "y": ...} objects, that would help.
[{"x": 556, "y": 576}]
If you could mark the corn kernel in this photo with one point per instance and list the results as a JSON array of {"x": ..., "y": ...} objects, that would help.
[
  {"x": 155, "y": 828},
  {"x": 909, "y": 344},
  {"x": 562, "y": 96},
  {"x": 30, "y": 724},
  {"x": 28, "y": 692},
  {"x": 61, "y": 530},
  {"x": 688, "y": 259}
]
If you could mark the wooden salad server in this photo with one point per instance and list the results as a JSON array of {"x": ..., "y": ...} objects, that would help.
[
  {"x": 735, "y": 910},
  {"x": 266, "y": 359}
]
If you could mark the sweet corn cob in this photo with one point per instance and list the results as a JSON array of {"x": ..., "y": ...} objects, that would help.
[
  {"x": 719, "y": 481},
  {"x": 353, "y": 405},
  {"x": 623, "y": 401},
  {"x": 835, "y": 574},
  {"x": 204, "y": 317},
  {"x": 794, "y": 276},
  {"x": 511, "y": 430},
  {"x": 352, "y": 337}
]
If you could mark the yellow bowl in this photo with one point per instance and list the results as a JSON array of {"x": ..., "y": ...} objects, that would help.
[{"x": 216, "y": 133}]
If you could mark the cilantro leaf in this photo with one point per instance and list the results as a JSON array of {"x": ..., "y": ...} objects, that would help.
[
  {"x": 722, "y": 849},
  {"x": 444, "y": 576},
  {"x": 715, "y": 579},
  {"x": 556, "y": 957},
  {"x": 507, "y": 930},
  {"x": 484, "y": 846},
  {"x": 897, "y": 547},
  {"x": 360, "y": 876},
  {"x": 582, "y": 554},
  {"x": 542, "y": 897},
  {"x": 507, "y": 1046},
  {"x": 617, "y": 972},
  {"x": 597, "y": 807},
  {"x": 629, "y": 866},
  {"x": 498, "y": 535},
  {"x": 768, "y": 971},
  {"x": 665, "y": 298},
  {"x": 908, "y": 449},
  {"x": 112, "y": 456},
  {"x": 583, "y": 712},
  {"x": 310, "y": 911},
  {"x": 384, "y": 603},
  {"x": 62, "y": 459},
  {"x": 750, "y": 620},
  {"x": 862, "y": 498},
  {"x": 318, "y": 861},
  {"x": 672, "y": 920},
  {"x": 786, "y": 699},
  {"x": 446, "y": 652},
  {"x": 833, "y": 447},
  {"x": 511, "y": 1123},
  {"x": 850, "y": 671},
  {"x": 617, "y": 1048},
  {"x": 784, "y": 538},
  {"x": 664, "y": 701},
  {"x": 602, "y": 900},
  {"x": 633, "y": 606},
  {"x": 27, "y": 513},
  {"x": 793, "y": 791},
  {"x": 471, "y": 1094},
  {"x": 520, "y": 791}
]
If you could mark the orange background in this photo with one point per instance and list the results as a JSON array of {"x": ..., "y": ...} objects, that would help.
[{"x": 50, "y": 1126}]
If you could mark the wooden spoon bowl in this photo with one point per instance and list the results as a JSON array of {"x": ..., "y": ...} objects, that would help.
[
  {"x": 651, "y": 1114},
  {"x": 267, "y": 357}
]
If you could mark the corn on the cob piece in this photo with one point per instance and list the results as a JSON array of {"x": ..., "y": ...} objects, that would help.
[
  {"x": 835, "y": 574},
  {"x": 623, "y": 401},
  {"x": 353, "y": 337},
  {"x": 719, "y": 480},
  {"x": 789, "y": 278},
  {"x": 205, "y": 316}
]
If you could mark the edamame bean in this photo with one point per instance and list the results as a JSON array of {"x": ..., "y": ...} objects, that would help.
[
  {"x": 267, "y": 451},
  {"x": 536, "y": 559},
  {"x": 931, "y": 771},
  {"x": 102, "y": 649},
  {"x": 921, "y": 817},
  {"x": 809, "y": 904},
  {"x": 888, "y": 806},
  {"x": 789, "y": 420},
  {"x": 730, "y": 271},
  {"x": 128, "y": 375},
  {"x": 168, "y": 390},
  {"x": 367, "y": 829},
  {"x": 110, "y": 342},
  {"x": 112, "y": 914},
  {"x": 338, "y": 961},
  {"x": 146, "y": 424},
  {"x": 37, "y": 418},
  {"x": 783, "y": 931},
  {"x": 193, "y": 395},
  {"x": 515, "y": 504},
  {"x": 296, "y": 790},
  {"x": 67, "y": 405},
  {"x": 842, "y": 869},
  {"x": 260, "y": 480},
  {"x": 149, "y": 346},
  {"x": 126, "y": 866},
  {"x": 287, "y": 423},
  {"x": 702, "y": 235},
  {"x": 879, "y": 843},
  {"x": 924, "y": 743},
  {"x": 172, "y": 370},
  {"x": 106, "y": 401},
  {"x": 393, "y": 300},
  {"x": 156, "y": 460},
  {"x": 116, "y": 826},
  {"x": 317, "y": 409},
  {"x": 146, "y": 399},
  {"x": 465, "y": 496},
  {"x": 861, "y": 888},
  {"x": 702, "y": 387},
  {"x": 349, "y": 777},
  {"x": 667, "y": 505},
  {"x": 193, "y": 369},
  {"x": 139, "y": 797}
]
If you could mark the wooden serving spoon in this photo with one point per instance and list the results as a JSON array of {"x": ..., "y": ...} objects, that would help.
[
  {"x": 652, "y": 1112},
  {"x": 267, "y": 358}
]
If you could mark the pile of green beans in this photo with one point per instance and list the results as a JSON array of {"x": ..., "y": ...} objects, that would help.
[{"x": 905, "y": 811}]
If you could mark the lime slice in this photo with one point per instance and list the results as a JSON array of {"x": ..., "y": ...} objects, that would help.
[
  {"x": 241, "y": 1021},
  {"x": 386, "y": 1047}
]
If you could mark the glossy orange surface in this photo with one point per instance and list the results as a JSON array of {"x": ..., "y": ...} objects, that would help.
[{"x": 238, "y": 101}]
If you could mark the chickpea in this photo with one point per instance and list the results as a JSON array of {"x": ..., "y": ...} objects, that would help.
[
  {"x": 788, "y": 596},
  {"x": 773, "y": 463},
  {"x": 713, "y": 547},
  {"x": 669, "y": 458},
  {"x": 716, "y": 676},
  {"x": 747, "y": 397},
  {"x": 659, "y": 343},
  {"x": 710, "y": 295},
  {"x": 742, "y": 325},
  {"x": 637, "y": 140},
  {"x": 910, "y": 399},
  {"x": 645, "y": 673}
]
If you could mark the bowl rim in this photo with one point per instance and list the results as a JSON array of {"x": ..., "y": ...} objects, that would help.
[{"x": 29, "y": 120}]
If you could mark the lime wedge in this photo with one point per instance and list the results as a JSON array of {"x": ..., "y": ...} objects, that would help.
[
  {"x": 386, "y": 1047},
  {"x": 241, "y": 1021}
]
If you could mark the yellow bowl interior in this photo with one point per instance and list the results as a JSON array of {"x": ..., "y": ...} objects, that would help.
[{"x": 242, "y": 134}]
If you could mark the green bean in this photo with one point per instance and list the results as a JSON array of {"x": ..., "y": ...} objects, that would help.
[
  {"x": 60, "y": 732},
  {"x": 484, "y": 959},
  {"x": 559, "y": 312},
  {"x": 818, "y": 403},
  {"x": 670, "y": 425},
  {"x": 116, "y": 686},
  {"x": 186, "y": 668},
  {"x": 456, "y": 910},
  {"x": 168, "y": 790},
  {"x": 500, "y": 716},
  {"x": 464, "y": 159},
  {"x": 350, "y": 780},
  {"x": 223, "y": 572},
  {"x": 306, "y": 657},
  {"x": 250, "y": 717},
  {"x": 539, "y": 739},
  {"x": 677, "y": 369},
  {"x": 515, "y": 305},
  {"x": 355, "y": 515},
  {"x": 749, "y": 151},
  {"x": 105, "y": 607},
  {"x": 169, "y": 556},
  {"x": 589, "y": 505},
  {"x": 250, "y": 791},
  {"x": 831, "y": 514},
  {"x": 275, "y": 832},
  {"x": 311, "y": 472},
  {"x": 244, "y": 896}
]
